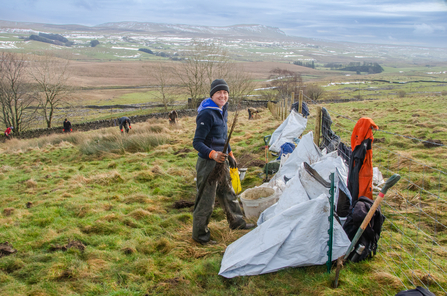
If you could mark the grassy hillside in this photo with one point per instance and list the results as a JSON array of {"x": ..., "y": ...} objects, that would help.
[{"x": 93, "y": 214}]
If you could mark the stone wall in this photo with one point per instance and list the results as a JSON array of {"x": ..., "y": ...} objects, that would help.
[{"x": 93, "y": 125}]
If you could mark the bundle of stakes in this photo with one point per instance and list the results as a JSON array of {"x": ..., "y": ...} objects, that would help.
[{"x": 218, "y": 172}]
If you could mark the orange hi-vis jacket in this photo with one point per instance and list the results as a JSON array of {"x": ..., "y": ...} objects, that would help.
[{"x": 360, "y": 165}]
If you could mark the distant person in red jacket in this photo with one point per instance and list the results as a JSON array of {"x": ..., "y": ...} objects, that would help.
[
  {"x": 67, "y": 126},
  {"x": 8, "y": 132}
]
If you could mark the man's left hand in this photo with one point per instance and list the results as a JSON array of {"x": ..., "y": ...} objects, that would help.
[{"x": 232, "y": 161}]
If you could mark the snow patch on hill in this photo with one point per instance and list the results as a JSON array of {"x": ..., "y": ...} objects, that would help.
[{"x": 236, "y": 30}]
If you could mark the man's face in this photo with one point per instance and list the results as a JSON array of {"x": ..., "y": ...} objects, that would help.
[{"x": 220, "y": 98}]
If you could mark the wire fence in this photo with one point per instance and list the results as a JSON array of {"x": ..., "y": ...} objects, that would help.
[
  {"x": 414, "y": 235},
  {"x": 373, "y": 89}
]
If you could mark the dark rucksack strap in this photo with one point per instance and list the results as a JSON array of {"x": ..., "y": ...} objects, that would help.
[
  {"x": 424, "y": 291},
  {"x": 419, "y": 291}
]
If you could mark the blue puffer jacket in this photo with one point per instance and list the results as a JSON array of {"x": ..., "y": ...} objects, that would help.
[{"x": 211, "y": 130}]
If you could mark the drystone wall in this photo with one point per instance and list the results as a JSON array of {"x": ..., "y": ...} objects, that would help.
[{"x": 93, "y": 125}]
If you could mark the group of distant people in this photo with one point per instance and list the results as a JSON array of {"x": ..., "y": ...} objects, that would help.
[
  {"x": 124, "y": 122},
  {"x": 124, "y": 125},
  {"x": 209, "y": 141}
]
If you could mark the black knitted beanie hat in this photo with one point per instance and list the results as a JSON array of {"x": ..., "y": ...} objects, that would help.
[{"x": 218, "y": 84}]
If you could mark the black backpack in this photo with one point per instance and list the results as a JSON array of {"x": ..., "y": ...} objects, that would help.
[
  {"x": 371, "y": 235},
  {"x": 419, "y": 291}
]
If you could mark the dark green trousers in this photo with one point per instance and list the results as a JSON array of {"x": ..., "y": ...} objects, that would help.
[{"x": 204, "y": 204}]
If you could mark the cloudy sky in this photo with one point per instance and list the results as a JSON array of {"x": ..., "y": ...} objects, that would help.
[{"x": 411, "y": 22}]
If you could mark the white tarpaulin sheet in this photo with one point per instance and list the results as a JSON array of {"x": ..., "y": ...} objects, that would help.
[
  {"x": 291, "y": 128},
  {"x": 306, "y": 150},
  {"x": 294, "y": 231},
  {"x": 296, "y": 237}
]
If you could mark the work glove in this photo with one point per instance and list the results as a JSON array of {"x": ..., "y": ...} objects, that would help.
[
  {"x": 232, "y": 160},
  {"x": 218, "y": 156}
]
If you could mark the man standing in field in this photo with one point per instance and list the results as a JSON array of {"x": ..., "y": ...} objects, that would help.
[
  {"x": 173, "y": 115},
  {"x": 67, "y": 126},
  {"x": 209, "y": 140},
  {"x": 124, "y": 122}
]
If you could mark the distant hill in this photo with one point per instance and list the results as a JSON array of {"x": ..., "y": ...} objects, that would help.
[
  {"x": 227, "y": 31},
  {"x": 238, "y": 31},
  {"x": 122, "y": 39}
]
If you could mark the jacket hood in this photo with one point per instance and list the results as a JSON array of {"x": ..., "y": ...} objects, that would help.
[
  {"x": 208, "y": 104},
  {"x": 362, "y": 130}
]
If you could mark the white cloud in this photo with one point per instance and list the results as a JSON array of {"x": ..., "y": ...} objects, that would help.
[
  {"x": 424, "y": 29},
  {"x": 418, "y": 7},
  {"x": 328, "y": 19}
]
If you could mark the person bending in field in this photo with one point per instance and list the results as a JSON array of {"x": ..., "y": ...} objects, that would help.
[
  {"x": 67, "y": 126},
  {"x": 251, "y": 112},
  {"x": 124, "y": 123},
  {"x": 209, "y": 141},
  {"x": 8, "y": 132}
]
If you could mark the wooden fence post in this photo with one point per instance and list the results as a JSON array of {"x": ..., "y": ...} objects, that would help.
[
  {"x": 300, "y": 103},
  {"x": 284, "y": 109},
  {"x": 317, "y": 127},
  {"x": 281, "y": 110}
]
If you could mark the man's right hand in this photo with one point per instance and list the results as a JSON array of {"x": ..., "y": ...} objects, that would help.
[{"x": 218, "y": 156}]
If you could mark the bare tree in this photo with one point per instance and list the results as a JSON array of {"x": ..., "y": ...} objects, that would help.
[
  {"x": 51, "y": 75},
  {"x": 16, "y": 99},
  {"x": 314, "y": 91},
  {"x": 285, "y": 82},
  {"x": 208, "y": 61},
  {"x": 163, "y": 75},
  {"x": 204, "y": 63},
  {"x": 241, "y": 83}
]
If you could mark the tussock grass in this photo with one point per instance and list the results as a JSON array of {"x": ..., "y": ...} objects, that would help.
[
  {"x": 137, "y": 198},
  {"x": 144, "y": 176},
  {"x": 109, "y": 178},
  {"x": 386, "y": 279},
  {"x": 3, "y": 176},
  {"x": 114, "y": 193},
  {"x": 31, "y": 183},
  {"x": 139, "y": 214},
  {"x": 157, "y": 170},
  {"x": 6, "y": 168},
  {"x": 112, "y": 141},
  {"x": 53, "y": 141}
]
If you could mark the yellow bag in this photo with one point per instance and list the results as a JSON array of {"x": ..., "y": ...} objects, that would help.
[{"x": 235, "y": 180}]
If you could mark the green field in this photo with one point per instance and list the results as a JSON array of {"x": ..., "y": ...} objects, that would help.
[{"x": 92, "y": 213}]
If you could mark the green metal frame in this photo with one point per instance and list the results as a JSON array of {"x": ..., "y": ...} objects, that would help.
[{"x": 331, "y": 224}]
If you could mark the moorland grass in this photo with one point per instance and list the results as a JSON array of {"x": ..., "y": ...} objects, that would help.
[{"x": 114, "y": 195}]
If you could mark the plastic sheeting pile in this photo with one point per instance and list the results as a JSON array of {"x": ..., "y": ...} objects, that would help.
[
  {"x": 291, "y": 128},
  {"x": 294, "y": 231}
]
